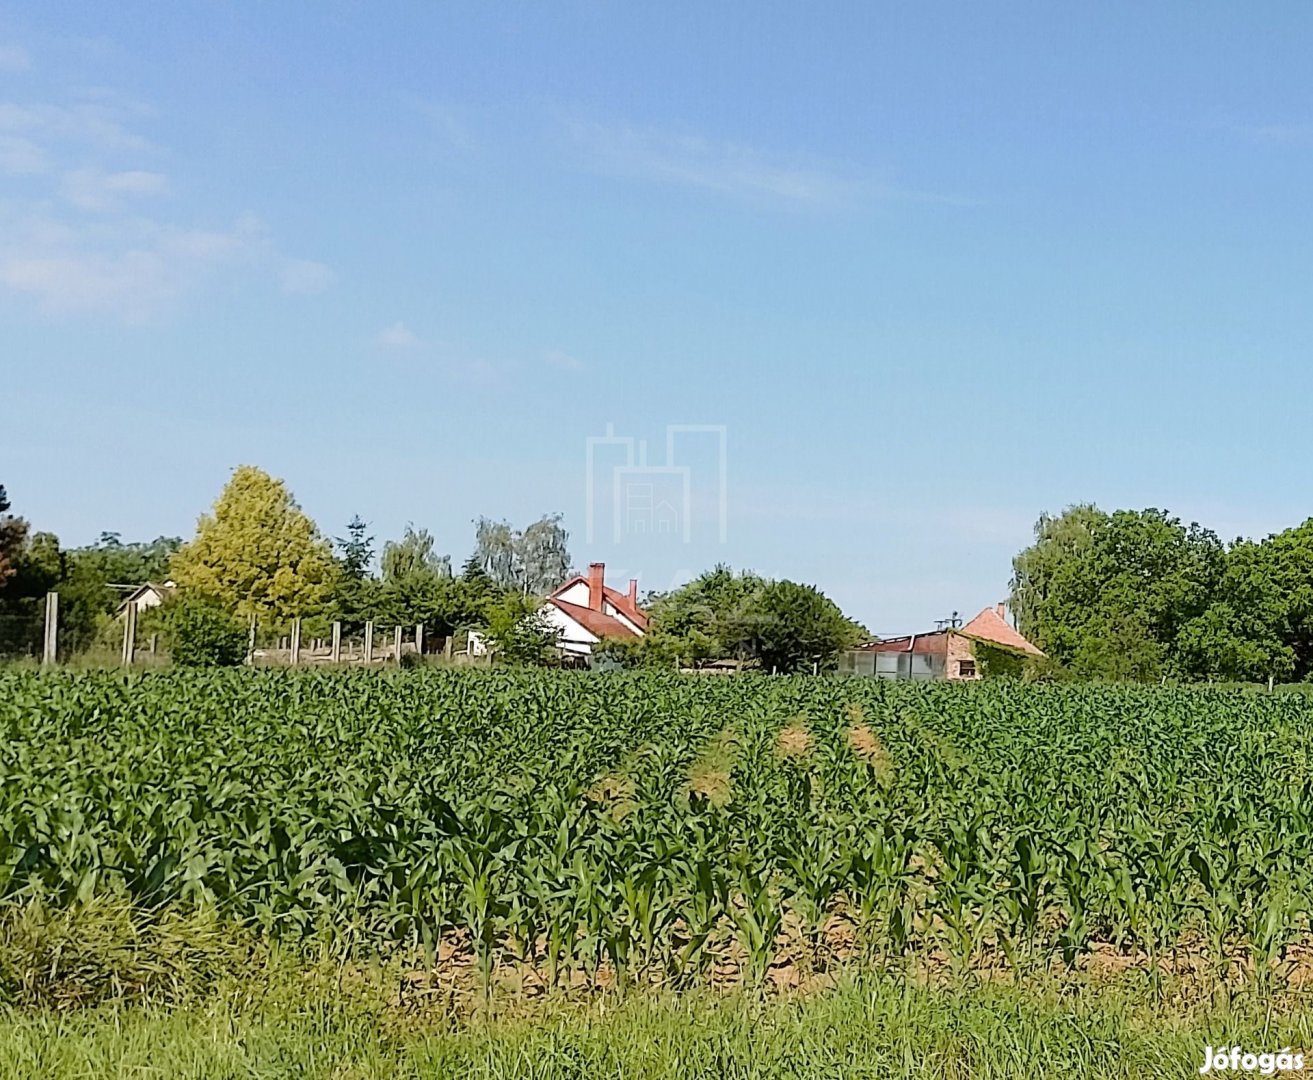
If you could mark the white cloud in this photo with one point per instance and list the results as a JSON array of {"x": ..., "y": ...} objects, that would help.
[
  {"x": 12, "y": 58},
  {"x": 732, "y": 169},
  {"x": 96, "y": 123},
  {"x": 398, "y": 336},
  {"x": 563, "y": 360},
  {"x": 21, "y": 157},
  {"x": 93, "y": 189},
  {"x": 113, "y": 250},
  {"x": 305, "y": 277},
  {"x": 129, "y": 269}
]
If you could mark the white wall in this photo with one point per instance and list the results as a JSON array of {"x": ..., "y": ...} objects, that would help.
[{"x": 574, "y": 637}]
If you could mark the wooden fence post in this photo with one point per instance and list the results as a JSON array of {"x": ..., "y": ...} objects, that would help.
[
  {"x": 337, "y": 643},
  {"x": 50, "y": 645},
  {"x": 369, "y": 642},
  {"x": 296, "y": 641},
  {"x": 129, "y": 634}
]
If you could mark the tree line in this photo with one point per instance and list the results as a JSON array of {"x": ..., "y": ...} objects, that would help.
[
  {"x": 1138, "y": 595},
  {"x": 256, "y": 553}
]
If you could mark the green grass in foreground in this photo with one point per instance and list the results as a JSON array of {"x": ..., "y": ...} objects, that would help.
[{"x": 864, "y": 1028}]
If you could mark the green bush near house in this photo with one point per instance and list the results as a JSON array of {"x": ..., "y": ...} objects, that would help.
[{"x": 202, "y": 634}]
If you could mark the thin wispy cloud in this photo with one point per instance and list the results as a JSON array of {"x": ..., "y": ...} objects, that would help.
[
  {"x": 728, "y": 168},
  {"x": 563, "y": 361},
  {"x": 14, "y": 59},
  {"x": 1281, "y": 134},
  {"x": 92, "y": 231},
  {"x": 398, "y": 336},
  {"x": 128, "y": 268},
  {"x": 1265, "y": 133},
  {"x": 94, "y": 123},
  {"x": 450, "y": 124},
  {"x": 22, "y": 157},
  {"x": 97, "y": 190},
  {"x": 305, "y": 277}
]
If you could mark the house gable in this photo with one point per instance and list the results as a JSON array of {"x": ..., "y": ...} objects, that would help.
[{"x": 585, "y": 610}]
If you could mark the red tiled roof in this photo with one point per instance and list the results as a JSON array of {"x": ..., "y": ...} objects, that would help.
[
  {"x": 567, "y": 583},
  {"x": 990, "y": 626},
  {"x": 595, "y": 622},
  {"x": 619, "y": 599}
]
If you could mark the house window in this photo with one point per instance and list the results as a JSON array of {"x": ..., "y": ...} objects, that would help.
[{"x": 966, "y": 669}]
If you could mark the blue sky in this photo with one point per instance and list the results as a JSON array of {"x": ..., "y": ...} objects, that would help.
[{"x": 934, "y": 269}]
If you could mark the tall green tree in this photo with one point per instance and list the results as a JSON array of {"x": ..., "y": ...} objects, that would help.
[
  {"x": 531, "y": 561},
  {"x": 417, "y": 585},
  {"x": 1118, "y": 595},
  {"x": 357, "y": 549},
  {"x": 257, "y": 553},
  {"x": 474, "y": 594},
  {"x": 1263, "y": 617},
  {"x": 113, "y": 561},
  {"x": 353, "y": 592},
  {"x": 413, "y": 559},
  {"x": 709, "y": 618},
  {"x": 721, "y": 614},
  {"x": 34, "y": 565},
  {"x": 13, "y": 535},
  {"x": 798, "y": 628}
]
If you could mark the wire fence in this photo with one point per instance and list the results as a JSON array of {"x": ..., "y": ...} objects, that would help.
[{"x": 135, "y": 636}]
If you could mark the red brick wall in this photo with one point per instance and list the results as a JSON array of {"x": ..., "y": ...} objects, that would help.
[{"x": 959, "y": 649}]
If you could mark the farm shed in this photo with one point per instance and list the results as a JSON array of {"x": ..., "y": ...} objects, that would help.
[
  {"x": 145, "y": 596},
  {"x": 946, "y": 653}
]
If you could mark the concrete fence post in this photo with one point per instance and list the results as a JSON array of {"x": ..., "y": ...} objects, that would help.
[
  {"x": 250, "y": 640},
  {"x": 396, "y": 645},
  {"x": 369, "y": 642},
  {"x": 129, "y": 634},
  {"x": 50, "y": 644},
  {"x": 419, "y": 638},
  {"x": 295, "y": 647},
  {"x": 337, "y": 643}
]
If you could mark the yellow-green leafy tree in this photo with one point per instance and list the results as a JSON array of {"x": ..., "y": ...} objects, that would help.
[{"x": 257, "y": 553}]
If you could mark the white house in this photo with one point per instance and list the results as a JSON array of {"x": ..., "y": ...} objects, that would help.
[
  {"x": 585, "y": 610},
  {"x": 144, "y": 597}
]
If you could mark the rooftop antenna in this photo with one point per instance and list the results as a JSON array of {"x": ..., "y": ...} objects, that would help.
[{"x": 951, "y": 623}]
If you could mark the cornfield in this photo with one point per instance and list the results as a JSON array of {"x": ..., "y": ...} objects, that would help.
[{"x": 650, "y": 825}]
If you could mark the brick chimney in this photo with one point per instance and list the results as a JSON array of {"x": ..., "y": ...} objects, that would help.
[
  {"x": 596, "y": 576},
  {"x": 1002, "y": 610},
  {"x": 633, "y": 593}
]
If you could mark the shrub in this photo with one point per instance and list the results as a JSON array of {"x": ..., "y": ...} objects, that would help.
[{"x": 203, "y": 634}]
